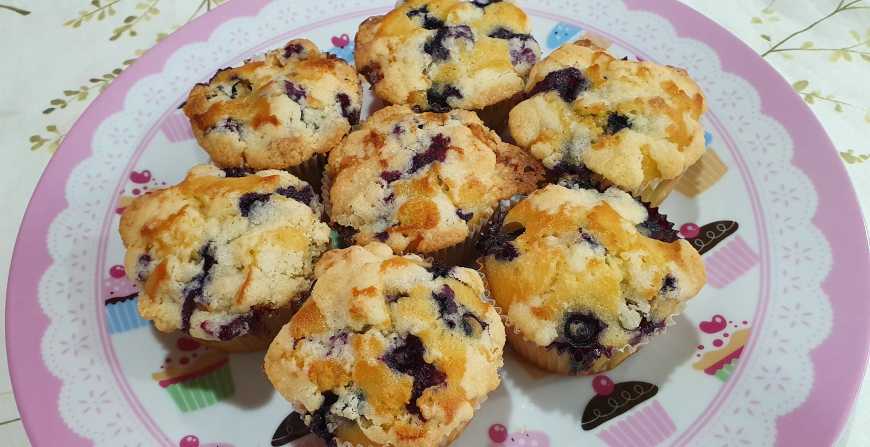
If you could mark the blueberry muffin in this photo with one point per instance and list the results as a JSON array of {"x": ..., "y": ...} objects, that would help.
[
  {"x": 278, "y": 111},
  {"x": 423, "y": 182},
  {"x": 388, "y": 350},
  {"x": 443, "y": 54},
  {"x": 583, "y": 277},
  {"x": 224, "y": 258},
  {"x": 633, "y": 124}
]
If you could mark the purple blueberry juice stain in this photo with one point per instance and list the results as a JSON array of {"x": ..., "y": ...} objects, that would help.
[
  {"x": 347, "y": 111},
  {"x": 337, "y": 341},
  {"x": 438, "y": 97},
  {"x": 485, "y": 3},
  {"x": 463, "y": 215},
  {"x": 193, "y": 291},
  {"x": 235, "y": 172},
  {"x": 447, "y": 307},
  {"x": 590, "y": 239},
  {"x": 398, "y": 130},
  {"x": 228, "y": 125},
  {"x": 382, "y": 236},
  {"x": 579, "y": 338},
  {"x": 293, "y": 49},
  {"x": 437, "y": 151},
  {"x": 506, "y": 34},
  {"x": 390, "y": 176},
  {"x": 669, "y": 285},
  {"x": 568, "y": 82},
  {"x": 238, "y": 326},
  {"x": 143, "y": 267},
  {"x": 293, "y": 91},
  {"x": 436, "y": 47},
  {"x": 615, "y": 123},
  {"x": 439, "y": 270},
  {"x": 424, "y": 18},
  {"x": 251, "y": 200},
  {"x": 407, "y": 358},
  {"x": 372, "y": 73},
  {"x": 304, "y": 195},
  {"x": 498, "y": 242}
]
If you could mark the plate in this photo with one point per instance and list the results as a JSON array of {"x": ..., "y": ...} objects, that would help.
[{"x": 771, "y": 352}]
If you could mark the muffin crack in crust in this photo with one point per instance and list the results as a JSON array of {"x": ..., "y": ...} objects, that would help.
[
  {"x": 217, "y": 256},
  {"x": 442, "y": 54},
  {"x": 636, "y": 124},
  {"x": 276, "y": 111},
  {"x": 388, "y": 350},
  {"x": 423, "y": 182},
  {"x": 580, "y": 282}
]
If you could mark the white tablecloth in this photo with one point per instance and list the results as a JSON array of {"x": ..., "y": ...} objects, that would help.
[{"x": 57, "y": 56}]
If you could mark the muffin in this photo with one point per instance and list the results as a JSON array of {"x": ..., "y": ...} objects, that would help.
[
  {"x": 278, "y": 111},
  {"x": 583, "y": 277},
  {"x": 388, "y": 350},
  {"x": 224, "y": 259},
  {"x": 423, "y": 182},
  {"x": 633, "y": 124},
  {"x": 443, "y": 54}
]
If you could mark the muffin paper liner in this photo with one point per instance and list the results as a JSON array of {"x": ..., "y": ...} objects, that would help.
[
  {"x": 268, "y": 328},
  {"x": 452, "y": 437},
  {"x": 310, "y": 170}
]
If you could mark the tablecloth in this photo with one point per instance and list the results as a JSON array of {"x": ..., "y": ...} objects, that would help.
[{"x": 58, "y": 56}]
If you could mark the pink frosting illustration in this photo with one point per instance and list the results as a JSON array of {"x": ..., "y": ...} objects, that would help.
[
  {"x": 731, "y": 261},
  {"x": 718, "y": 356},
  {"x": 193, "y": 441},
  {"x": 500, "y": 437},
  {"x": 141, "y": 182},
  {"x": 176, "y": 127}
]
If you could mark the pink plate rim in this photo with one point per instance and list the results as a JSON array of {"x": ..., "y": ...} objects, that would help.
[{"x": 817, "y": 421}]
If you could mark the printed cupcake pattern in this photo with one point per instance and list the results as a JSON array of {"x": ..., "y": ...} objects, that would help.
[
  {"x": 141, "y": 182},
  {"x": 729, "y": 262},
  {"x": 120, "y": 298},
  {"x": 195, "y": 376},
  {"x": 719, "y": 356},
  {"x": 193, "y": 441},
  {"x": 176, "y": 127},
  {"x": 702, "y": 175},
  {"x": 648, "y": 425},
  {"x": 342, "y": 47},
  {"x": 500, "y": 437}
]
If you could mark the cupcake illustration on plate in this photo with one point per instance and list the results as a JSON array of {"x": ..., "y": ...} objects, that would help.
[
  {"x": 195, "y": 376},
  {"x": 499, "y": 436},
  {"x": 719, "y": 356},
  {"x": 121, "y": 298},
  {"x": 193, "y": 441},
  {"x": 702, "y": 175},
  {"x": 731, "y": 260},
  {"x": 647, "y": 425},
  {"x": 342, "y": 47},
  {"x": 563, "y": 32},
  {"x": 176, "y": 127},
  {"x": 141, "y": 182}
]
